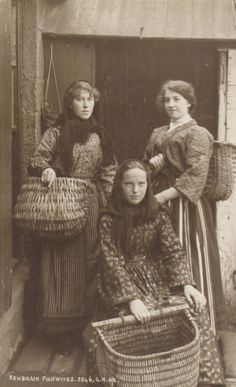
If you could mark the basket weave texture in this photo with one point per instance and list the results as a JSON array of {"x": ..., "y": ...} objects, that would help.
[
  {"x": 163, "y": 352},
  {"x": 58, "y": 212},
  {"x": 219, "y": 184}
]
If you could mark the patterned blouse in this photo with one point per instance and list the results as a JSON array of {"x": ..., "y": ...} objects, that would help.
[
  {"x": 87, "y": 160},
  {"x": 187, "y": 150},
  {"x": 139, "y": 274}
]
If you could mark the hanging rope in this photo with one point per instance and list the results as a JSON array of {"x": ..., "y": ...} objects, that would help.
[
  {"x": 52, "y": 67},
  {"x": 48, "y": 116}
]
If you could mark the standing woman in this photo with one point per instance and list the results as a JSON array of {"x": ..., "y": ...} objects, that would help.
[
  {"x": 64, "y": 273},
  {"x": 179, "y": 155}
]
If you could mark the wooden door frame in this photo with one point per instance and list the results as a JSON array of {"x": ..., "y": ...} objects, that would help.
[{"x": 5, "y": 157}]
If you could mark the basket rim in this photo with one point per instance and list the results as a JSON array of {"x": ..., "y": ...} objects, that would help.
[
  {"x": 225, "y": 142},
  {"x": 153, "y": 355}
]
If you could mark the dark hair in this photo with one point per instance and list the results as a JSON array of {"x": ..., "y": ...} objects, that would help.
[
  {"x": 117, "y": 197},
  {"x": 73, "y": 91},
  {"x": 73, "y": 129},
  {"x": 181, "y": 87}
]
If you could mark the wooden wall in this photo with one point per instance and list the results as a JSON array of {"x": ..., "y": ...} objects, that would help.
[{"x": 5, "y": 155}]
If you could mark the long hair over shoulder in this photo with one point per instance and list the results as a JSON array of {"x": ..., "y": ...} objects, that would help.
[
  {"x": 73, "y": 129},
  {"x": 125, "y": 216}
]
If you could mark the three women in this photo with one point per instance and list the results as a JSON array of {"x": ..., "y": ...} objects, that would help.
[{"x": 142, "y": 258}]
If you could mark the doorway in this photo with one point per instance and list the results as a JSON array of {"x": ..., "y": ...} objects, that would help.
[{"x": 130, "y": 72}]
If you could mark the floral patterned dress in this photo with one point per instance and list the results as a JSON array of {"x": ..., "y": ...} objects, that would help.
[
  {"x": 142, "y": 274},
  {"x": 65, "y": 273}
]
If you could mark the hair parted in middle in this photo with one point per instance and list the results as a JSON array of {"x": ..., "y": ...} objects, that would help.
[
  {"x": 124, "y": 215},
  {"x": 117, "y": 197},
  {"x": 73, "y": 91}
]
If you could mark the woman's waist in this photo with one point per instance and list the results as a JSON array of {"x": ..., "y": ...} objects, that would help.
[{"x": 136, "y": 259}]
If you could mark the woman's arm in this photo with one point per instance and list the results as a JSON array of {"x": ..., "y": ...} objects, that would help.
[
  {"x": 168, "y": 194},
  {"x": 198, "y": 151},
  {"x": 105, "y": 177},
  {"x": 45, "y": 153}
]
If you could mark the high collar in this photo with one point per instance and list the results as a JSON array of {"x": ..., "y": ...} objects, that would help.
[{"x": 183, "y": 120}]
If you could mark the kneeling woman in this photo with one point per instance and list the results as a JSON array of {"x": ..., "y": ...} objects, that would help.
[{"x": 134, "y": 231}]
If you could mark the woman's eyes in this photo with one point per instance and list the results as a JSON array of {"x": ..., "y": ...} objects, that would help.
[
  {"x": 141, "y": 184},
  {"x": 79, "y": 99},
  {"x": 175, "y": 99}
]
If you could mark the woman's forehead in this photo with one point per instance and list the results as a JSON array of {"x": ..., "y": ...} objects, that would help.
[
  {"x": 134, "y": 174},
  {"x": 172, "y": 93},
  {"x": 82, "y": 92}
]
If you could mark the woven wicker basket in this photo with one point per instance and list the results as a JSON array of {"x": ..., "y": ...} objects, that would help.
[
  {"x": 58, "y": 212},
  {"x": 163, "y": 352},
  {"x": 219, "y": 184}
]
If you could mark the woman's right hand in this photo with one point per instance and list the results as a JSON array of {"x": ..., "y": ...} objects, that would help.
[
  {"x": 48, "y": 176},
  {"x": 157, "y": 162},
  {"x": 139, "y": 310}
]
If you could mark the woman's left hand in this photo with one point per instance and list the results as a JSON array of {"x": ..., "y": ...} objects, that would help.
[{"x": 194, "y": 298}]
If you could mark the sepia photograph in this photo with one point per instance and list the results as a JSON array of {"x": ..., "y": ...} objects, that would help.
[{"x": 117, "y": 193}]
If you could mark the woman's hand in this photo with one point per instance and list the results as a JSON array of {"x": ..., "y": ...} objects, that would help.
[
  {"x": 161, "y": 198},
  {"x": 194, "y": 298},
  {"x": 139, "y": 310},
  {"x": 48, "y": 176},
  {"x": 168, "y": 194},
  {"x": 157, "y": 162}
]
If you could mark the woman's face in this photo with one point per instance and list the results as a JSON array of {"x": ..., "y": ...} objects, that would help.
[
  {"x": 134, "y": 185},
  {"x": 83, "y": 105},
  {"x": 176, "y": 106}
]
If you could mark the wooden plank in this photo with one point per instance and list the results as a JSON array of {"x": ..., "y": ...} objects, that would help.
[
  {"x": 226, "y": 211},
  {"x": 222, "y": 90},
  {"x": 5, "y": 156},
  {"x": 179, "y": 19},
  {"x": 231, "y": 96},
  {"x": 202, "y": 22},
  {"x": 224, "y": 18},
  {"x": 130, "y": 18},
  {"x": 108, "y": 18},
  {"x": 154, "y": 18},
  {"x": 232, "y": 68}
]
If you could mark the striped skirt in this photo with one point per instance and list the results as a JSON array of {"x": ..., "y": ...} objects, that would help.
[
  {"x": 65, "y": 274},
  {"x": 195, "y": 227}
]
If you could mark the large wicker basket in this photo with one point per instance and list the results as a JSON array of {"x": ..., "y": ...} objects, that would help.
[
  {"x": 58, "y": 212},
  {"x": 219, "y": 184},
  {"x": 163, "y": 352}
]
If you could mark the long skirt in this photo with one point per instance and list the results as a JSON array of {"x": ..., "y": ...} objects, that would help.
[
  {"x": 195, "y": 227},
  {"x": 62, "y": 283}
]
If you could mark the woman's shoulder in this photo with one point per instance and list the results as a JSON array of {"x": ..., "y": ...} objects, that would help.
[
  {"x": 198, "y": 130},
  {"x": 159, "y": 129},
  {"x": 53, "y": 131}
]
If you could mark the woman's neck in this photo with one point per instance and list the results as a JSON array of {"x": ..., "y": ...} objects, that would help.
[{"x": 181, "y": 120}]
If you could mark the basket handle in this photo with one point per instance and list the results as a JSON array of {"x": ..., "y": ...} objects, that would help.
[{"x": 131, "y": 320}]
